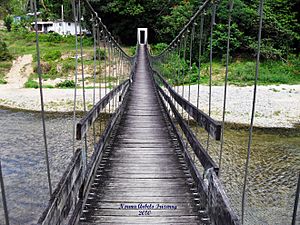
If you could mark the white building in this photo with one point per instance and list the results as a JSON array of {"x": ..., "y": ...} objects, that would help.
[{"x": 62, "y": 28}]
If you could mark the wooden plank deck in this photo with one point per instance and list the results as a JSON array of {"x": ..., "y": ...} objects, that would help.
[{"x": 143, "y": 178}]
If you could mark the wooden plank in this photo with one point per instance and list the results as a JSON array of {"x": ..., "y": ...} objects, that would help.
[
  {"x": 204, "y": 158},
  {"x": 218, "y": 203},
  {"x": 210, "y": 125},
  {"x": 128, "y": 172},
  {"x": 200, "y": 185}
]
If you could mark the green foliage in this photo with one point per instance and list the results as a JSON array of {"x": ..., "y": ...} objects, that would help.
[
  {"x": 158, "y": 48},
  {"x": 100, "y": 54},
  {"x": 271, "y": 72},
  {"x": 67, "y": 66},
  {"x": 220, "y": 38},
  {"x": 54, "y": 38},
  {"x": 31, "y": 84},
  {"x": 2, "y": 81},
  {"x": 66, "y": 84},
  {"x": 132, "y": 50},
  {"x": 8, "y": 21},
  {"x": 52, "y": 55},
  {"x": 4, "y": 53}
]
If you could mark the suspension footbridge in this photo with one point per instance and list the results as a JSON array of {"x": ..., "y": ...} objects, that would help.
[{"x": 145, "y": 163}]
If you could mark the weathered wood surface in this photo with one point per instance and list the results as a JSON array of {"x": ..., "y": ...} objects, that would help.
[
  {"x": 199, "y": 182},
  {"x": 143, "y": 164},
  {"x": 87, "y": 121},
  {"x": 66, "y": 193},
  {"x": 218, "y": 203},
  {"x": 201, "y": 153},
  {"x": 210, "y": 125}
]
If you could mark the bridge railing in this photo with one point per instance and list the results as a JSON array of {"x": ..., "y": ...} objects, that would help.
[
  {"x": 94, "y": 129},
  {"x": 213, "y": 197}
]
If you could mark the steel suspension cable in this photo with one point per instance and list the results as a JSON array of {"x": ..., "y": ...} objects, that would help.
[
  {"x": 191, "y": 65},
  {"x": 4, "y": 202},
  {"x": 183, "y": 74},
  {"x": 261, "y": 6},
  {"x": 199, "y": 59},
  {"x": 76, "y": 73},
  {"x": 213, "y": 17},
  {"x": 94, "y": 72},
  {"x": 231, "y": 2},
  {"x": 81, "y": 56},
  {"x": 84, "y": 141},
  {"x": 105, "y": 63},
  {"x": 294, "y": 220},
  {"x": 178, "y": 66},
  {"x": 39, "y": 71},
  {"x": 99, "y": 65}
]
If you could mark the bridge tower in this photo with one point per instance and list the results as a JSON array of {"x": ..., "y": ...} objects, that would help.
[{"x": 142, "y": 36}]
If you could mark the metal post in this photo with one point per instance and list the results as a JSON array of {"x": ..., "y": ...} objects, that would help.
[{"x": 3, "y": 196}]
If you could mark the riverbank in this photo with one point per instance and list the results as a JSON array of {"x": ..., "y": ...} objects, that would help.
[{"x": 277, "y": 106}]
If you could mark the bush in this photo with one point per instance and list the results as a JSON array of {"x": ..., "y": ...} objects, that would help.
[
  {"x": 66, "y": 84},
  {"x": 53, "y": 37},
  {"x": 8, "y": 21},
  {"x": 87, "y": 41},
  {"x": 4, "y": 53},
  {"x": 67, "y": 66},
  {"x": 158, "y": 48},
  {"x": 52, "y": 55},
  {"x": 100, "y": 54},
  {"x": 2, "y": 81},
  {"x": 31, "y": 84}
]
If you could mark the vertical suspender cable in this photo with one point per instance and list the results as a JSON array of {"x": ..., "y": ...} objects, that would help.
[
  {"x": 225, "y": 85},
  {"x": 41, "y": 96},
  {"x": 296, "y": 201},
  {"x": 183, "y": 75},
  {"x": 95, "y": 68},
  {"x": 261, "y": 5},
  {"x": 105, "y": 63},
  {"x": 179, "y": 67},
  {"x": 213, "y": 16},
  {"x": 191, "y": 65},
  {"x": 81, "y": 56},
  {"x": 84, "y": 142},
  {"x": 100, "y": 68},
  {"x": 199, "y": 58},
  {"x": 3, "y": 196},
  {"x": 76, "y": 72}
]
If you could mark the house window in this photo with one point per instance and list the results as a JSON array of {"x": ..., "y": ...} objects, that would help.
[
  {"x": 69, "y": 24},
  {"x": 60, "y": 24}
]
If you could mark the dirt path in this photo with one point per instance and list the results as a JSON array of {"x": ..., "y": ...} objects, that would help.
[{"x": 19, "y": 72}]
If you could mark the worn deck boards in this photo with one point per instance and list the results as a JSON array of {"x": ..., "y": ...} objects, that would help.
[{"x": 143, "y": 164}]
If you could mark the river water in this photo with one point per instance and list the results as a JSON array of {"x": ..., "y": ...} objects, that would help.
[{"x": 275, "y": 162}]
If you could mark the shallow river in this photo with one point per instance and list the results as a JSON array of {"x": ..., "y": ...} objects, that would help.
[{"x": 275, "y": 161}]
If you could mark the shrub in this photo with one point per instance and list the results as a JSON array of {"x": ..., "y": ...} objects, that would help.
[
  {"x": 100, "y": 54},
  {"x": 66, "y": 84},
  {"x": 67, "y": 66},
  {"x": 54, "y": 37},
  {"x": 2, "y": 81},
  {"x": 158, "y": 48},
  {"x": 31, "y": 84},
  {"x": 52, "y": 55},
  {"x": 8, "y": 21},
  {"x": 4, "y": 53}
]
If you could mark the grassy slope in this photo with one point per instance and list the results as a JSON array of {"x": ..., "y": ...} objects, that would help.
[{"x": 241, "y": 72}]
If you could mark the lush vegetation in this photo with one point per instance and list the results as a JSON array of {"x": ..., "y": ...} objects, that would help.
[
  {"x": 280, "y": 46},
  {"x": 241, "y": 71}
]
